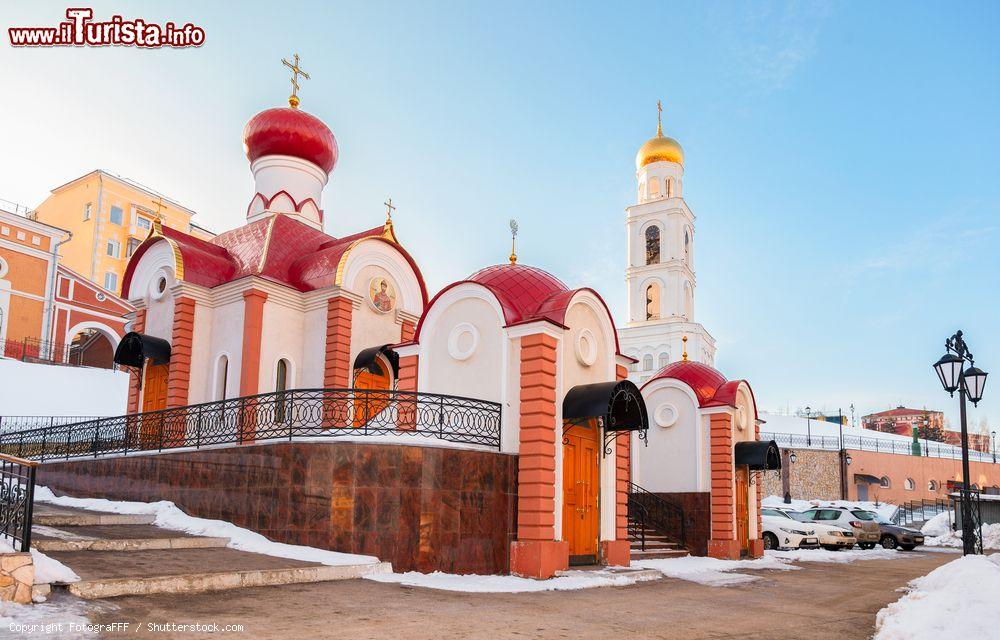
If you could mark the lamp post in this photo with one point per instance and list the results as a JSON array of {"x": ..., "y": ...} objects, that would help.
[
  {"x": 844, "y": 458},
  {"x": 809, "y": 439},
  {"x": 969, "y": 383},
  {"x": 993, "y": 436}
]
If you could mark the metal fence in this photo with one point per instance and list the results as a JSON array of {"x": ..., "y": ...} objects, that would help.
[
  {"x": 17, "y": 496},
  {"x": 919, "y": 510},
  {"x": 43, "y": 351},
  {"x": 878, "y": 445},
  {"x": 22, "y": 423},
  {"x": 301, "y": 413}
]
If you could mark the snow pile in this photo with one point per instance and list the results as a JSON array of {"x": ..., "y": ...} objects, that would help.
[
  {"x": 713, "y": 572},
  {"x": 939, "y": 525},
  {"x": 991, "y": 537},
  {"x": 47, "y": 570},
  {"x": 169, "y": 516},
  {"x": 884, "y": 509},
  {"x": 571, "y": 580},
  {"x": 955, "y": 601},
  {"x": 63, "y": 616},
  {"x": 837, "y": 557}
]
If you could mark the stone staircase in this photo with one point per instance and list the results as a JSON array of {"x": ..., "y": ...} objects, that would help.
[
  {"x": 656, "y": 546},
  {"x": 117, "y": 555}
]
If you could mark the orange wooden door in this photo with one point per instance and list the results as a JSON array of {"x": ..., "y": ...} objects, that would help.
[
  {"x": 154, "y": 398},
  {"x": 742, "y": 508},
  {"x": 367, "y": 406},
  {"x": 581, "y": 491}
]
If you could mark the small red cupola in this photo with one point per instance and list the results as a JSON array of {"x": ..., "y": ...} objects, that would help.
[{"x": 290, "y": 132}]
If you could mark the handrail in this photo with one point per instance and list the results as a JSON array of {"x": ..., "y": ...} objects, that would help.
[
  {"x": 17, "y": 498},
  {"x": 288, "y": 415},
  {"x": 16, "y": 460},
  {"x": 659, "y": 514},
  {"x": 931, "y": 449},
  {"x": 25, "y": 423}
]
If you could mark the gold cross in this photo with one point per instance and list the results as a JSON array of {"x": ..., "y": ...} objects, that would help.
[
  {"x": 389, "y": 209},
  {"x": 659, "y": 119},
  {"x": 513, "y": 236},
  {"x": 293, "y": 100}
]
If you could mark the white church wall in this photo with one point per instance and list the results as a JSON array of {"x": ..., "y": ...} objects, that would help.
[
  {"x": 373, "y": 252},
  {"x": 202, "y": 369},
  {"x": 299, "y": 178},
  {"x": 511, "y": 413},
  {"x": 313, "y": 366},
  {"x": 462, "y": 345},
  {"x": 283, "y": 329},
  {"x": 226, "y": 338},
  {"x": 675, "y": 458},
  {"x": 369, "y": 327}
]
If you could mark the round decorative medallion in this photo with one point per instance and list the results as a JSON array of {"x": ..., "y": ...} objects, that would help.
[
  {"x": 101, "y": 297},
  {"x": 159, "y": 285},
  {"x": 741, "y": 418},
  {"x": 381, "y": 295},
  {"x": 586, "y": 347},
  {"x": 665, "y": 415},
  {"x": 462, "y": 341}
]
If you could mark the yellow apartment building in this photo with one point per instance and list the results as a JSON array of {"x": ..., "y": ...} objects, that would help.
[{"x": 109, "y": 216}]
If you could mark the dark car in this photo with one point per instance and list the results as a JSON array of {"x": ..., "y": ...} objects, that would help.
[{"x": 894, "y": 535}]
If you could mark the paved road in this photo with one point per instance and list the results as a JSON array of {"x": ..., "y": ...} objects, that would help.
[{"x": 820, "y": 601}]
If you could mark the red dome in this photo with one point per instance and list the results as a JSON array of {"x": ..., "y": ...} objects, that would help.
[
  {"x": 703, "y": 379},
  {"x": 520, "y": 289},
  {"x": 290, "y": 132}
]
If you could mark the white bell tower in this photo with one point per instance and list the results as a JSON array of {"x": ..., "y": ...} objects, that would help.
[{"x": 660, "y": 271}]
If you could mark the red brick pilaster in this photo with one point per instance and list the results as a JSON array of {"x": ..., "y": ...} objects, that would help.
[
  {"x": 536, "y": 553},
  {"x": 407, "y": 331},
  {"x": 407, "y": 382},
  {"x": 179, "y": 374},
  {"x": 623, "y": 464},
  {"x": 253, "y": 328},
  {"x": 337, "y": 372},
  {"x": 135, "y": 376},
  {"x": 723, "y": 543}
]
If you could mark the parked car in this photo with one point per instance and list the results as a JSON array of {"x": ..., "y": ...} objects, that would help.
[
  {"x": 866, "y": 530},
  {"x": 894, "y": 535},
  {"x": 831, "y": 537},
  {"x": 781, "y": 532}
]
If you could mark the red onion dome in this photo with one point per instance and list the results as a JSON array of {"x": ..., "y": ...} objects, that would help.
[{"x": 290, "y": 132}]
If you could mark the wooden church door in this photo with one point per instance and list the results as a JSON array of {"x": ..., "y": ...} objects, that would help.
[
  {"x": 367, "y": 406},
  {"x": 581, "y": 491},
  {"x": 154, "y": 398},
  {"x": 743, "y": 508}
]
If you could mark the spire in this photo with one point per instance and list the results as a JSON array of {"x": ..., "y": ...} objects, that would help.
[
  {"x": 513, "y": 236},
  {"x": 685, "y": 354},
  {"x": 659, "y": 119},
  {"x": 293, "y": 100}
]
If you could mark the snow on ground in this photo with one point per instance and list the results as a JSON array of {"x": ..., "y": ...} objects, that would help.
[
  {"x": 47, "y": 570},
  {"x": 26, "y": 390},
  {"x": 63, "y": 616},
  {"x": 956, "y": 601},
  {"x": 838, "y": 557},
  {"x": 939, "y": 525},
  {"x": 882, "y": 508},
  {"x": 940, "y": 534},
  {"x": 572, "y": 580},
  {"x": 169, "y": 516},
  {"x": 713, "y": 572}
]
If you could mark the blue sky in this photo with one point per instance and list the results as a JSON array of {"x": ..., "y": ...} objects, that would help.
[{"x": 841, "y": 157}]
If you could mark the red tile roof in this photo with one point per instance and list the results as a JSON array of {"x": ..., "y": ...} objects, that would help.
[{"x": 709, "y": 385}]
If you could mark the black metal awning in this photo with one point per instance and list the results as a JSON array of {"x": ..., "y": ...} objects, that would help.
[
  {"x": 366, "y": 359},
  {"x": 758, "y": 455},
  {"x": 135, "y": 347},
  {"x": 864, "y": 477},
  {"x": 618, "y": 405}
]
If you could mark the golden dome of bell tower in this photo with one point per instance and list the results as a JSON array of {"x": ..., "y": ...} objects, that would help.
[{"x": 661, "y": 148}]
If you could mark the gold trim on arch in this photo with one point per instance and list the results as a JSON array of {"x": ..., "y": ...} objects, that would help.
[{"x": 157, "y": 232}]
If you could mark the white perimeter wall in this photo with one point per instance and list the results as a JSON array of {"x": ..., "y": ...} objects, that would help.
[{"x": 46, "y": 390}]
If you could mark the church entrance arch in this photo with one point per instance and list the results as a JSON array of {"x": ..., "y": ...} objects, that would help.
[{"x": 374, "y": 371}]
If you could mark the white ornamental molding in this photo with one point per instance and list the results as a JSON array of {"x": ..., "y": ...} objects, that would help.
[
  {"x": 665, "y": 415},
  {"x": 586, "y": 347},
  {"x": 463, "y": 341}
]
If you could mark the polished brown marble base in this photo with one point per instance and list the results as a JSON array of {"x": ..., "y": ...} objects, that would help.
[{"x": 421, "y": 508}]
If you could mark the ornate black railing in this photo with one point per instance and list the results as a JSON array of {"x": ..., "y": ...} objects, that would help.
[
  {"x": 20, "y": 423},
  {"x": 878, "y": 445},
  {"x": 657, "y": 514},
  {"x": 17, "y": 496},
  {"x": 297, "y": 414}
]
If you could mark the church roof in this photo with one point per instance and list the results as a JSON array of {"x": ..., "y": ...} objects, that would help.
[
  {"x": 709, "y": 385},
  {"x": 277, "y": 248}
]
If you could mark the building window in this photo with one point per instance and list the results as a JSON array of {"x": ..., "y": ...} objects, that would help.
[
  {"x": 910, "y": 485},
  {"x": 663, "y": 361},
  {"x": 20, "y": 235},
  {"x": 35, "y": 240},
  {"x": 5, "y": 231},
  {"x": 280, "y": 385},
  {"x": 221, "y": 377},
  {"x": 884, "y": 482},
  {"x": 116, "y": 215},
  {"x": 144, "y": 223},
  {"x": 932, "y": 485},
  {"x": 133, "y": 244},
  {"x": 111, "y": 281},
  {"x": 653, "y": 302},
  {"x": 653, "y": 245},
  {"x": 114, "y": 248},
  {"x": 654, "y": 188},
  {"x": 687, "y": 246},
  {"x": 86, "y": 211},
  {"x": 647, "y": 362}
]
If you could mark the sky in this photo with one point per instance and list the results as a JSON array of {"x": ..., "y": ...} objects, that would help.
[{"x": 840, "y": 156}]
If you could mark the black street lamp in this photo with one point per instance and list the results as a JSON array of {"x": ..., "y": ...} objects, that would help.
[
  {"x": 809, "y": 439},
  {"x": 993, "y": 434},
  {"x": 969, "y": 383}
]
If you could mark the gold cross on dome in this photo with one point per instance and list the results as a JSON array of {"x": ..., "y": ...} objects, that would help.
[
  {"x": 389, "y": 208},
  {"x": 659, "y": 119},
  {"x": 293, "y": 100}
]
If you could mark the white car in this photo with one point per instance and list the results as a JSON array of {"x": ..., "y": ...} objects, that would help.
[
  {"x": 830, "y": 537},
  {"x": 781, "y": 532}
]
